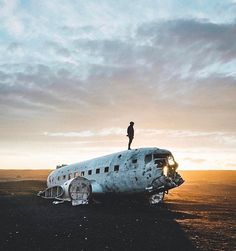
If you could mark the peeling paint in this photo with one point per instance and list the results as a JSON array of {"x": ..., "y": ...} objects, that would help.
[{"x": 133, "y": 176}]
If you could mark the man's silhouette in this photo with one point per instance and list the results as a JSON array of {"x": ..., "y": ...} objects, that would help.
[{"x": 130, "y": 133}]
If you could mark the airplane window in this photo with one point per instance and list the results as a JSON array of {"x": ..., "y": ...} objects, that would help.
[
  {"x": 89, "y": 172},
  {"x": 98, "y": 170},
  {"x": 116, "y": 168},
  {"x": 148, "y": 158},
  {"x": 160, "y": 163},
  {"x": 58, "y": 178},
  {"x": 106, "y": 169},
  {"x": 82, "y": 173},
  {"x": 134, "y": 161},
  {"x": 159, "y": 155},
  {"x": 64, "y": 177},
  {"x": 155, "y": 156}
]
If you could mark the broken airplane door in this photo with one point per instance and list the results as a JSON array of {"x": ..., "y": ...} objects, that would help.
[
  {"x": 52, "y": 192},
  {"x": 76, "y": 190}
]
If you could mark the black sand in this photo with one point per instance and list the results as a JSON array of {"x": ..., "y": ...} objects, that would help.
[{"x": 200, "y": 215}]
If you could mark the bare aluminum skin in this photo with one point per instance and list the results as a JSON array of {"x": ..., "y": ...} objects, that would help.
[{"x": 141, "y": 171}]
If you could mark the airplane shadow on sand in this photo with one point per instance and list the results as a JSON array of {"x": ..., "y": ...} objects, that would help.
[{"x": 32, "y": 223}]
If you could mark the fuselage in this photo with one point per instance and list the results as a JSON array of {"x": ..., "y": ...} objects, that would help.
[{"x": 130, "y": 171}]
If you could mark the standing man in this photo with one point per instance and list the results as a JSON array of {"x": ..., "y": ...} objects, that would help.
[{"x": 130, "y": 133}]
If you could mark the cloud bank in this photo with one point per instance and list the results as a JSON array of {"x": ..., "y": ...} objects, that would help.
[{"x": 74, "y": 68}]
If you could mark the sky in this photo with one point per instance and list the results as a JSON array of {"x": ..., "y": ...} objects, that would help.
[{"x": 73, "y": 74}]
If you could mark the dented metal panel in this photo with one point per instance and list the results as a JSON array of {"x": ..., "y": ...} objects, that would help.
[{"x": 134, "y": 171}]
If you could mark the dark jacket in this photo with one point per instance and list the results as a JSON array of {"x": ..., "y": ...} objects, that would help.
[{"x": 130, "y": 131}]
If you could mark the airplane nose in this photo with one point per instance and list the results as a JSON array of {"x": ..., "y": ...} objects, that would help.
[
  {"x": 165, "y": 182},
  {"x": 179, "y": 180}
]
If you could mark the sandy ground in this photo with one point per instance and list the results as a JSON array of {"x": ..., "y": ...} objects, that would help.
[{"x": 199, "y": 215}]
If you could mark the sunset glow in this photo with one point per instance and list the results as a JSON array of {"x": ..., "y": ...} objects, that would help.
[{"x": 73, "y": 74}]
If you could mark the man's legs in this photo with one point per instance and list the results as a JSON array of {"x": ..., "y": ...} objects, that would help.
[{"x": 130, "y": 141}]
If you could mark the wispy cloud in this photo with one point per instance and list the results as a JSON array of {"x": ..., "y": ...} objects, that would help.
[
  {"x": 150, "y": 132},
  {"x": 76, "y": 69},
  {"x": 85, "y": 134},
  {"x": 179, "y": 137}
]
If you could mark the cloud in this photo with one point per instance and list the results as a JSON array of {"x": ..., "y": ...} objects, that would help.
[
  {"x": 78, "y": 69},
  {"x": 199, "y": 161},
  {"x": 85, "y": 134},
  {"x": 10, "y": 18},
  {"x": 186, "y": 41},
  {"x": 231, "y": 166},
  {"x": 178, "y": 138}
]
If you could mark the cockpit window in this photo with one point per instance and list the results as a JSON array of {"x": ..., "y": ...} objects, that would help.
[
  {"x": 160, "y": 163},
  {"x": 148, "y": 158},
  {"x": 155, "y": 156},
  {"x": 159, "y": 155}
]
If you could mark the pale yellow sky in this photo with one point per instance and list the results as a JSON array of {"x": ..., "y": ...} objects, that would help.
[{"x": 191, "y": 149}]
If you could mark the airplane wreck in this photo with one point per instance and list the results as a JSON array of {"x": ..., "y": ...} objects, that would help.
[{"x": 147, "y": 171}]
